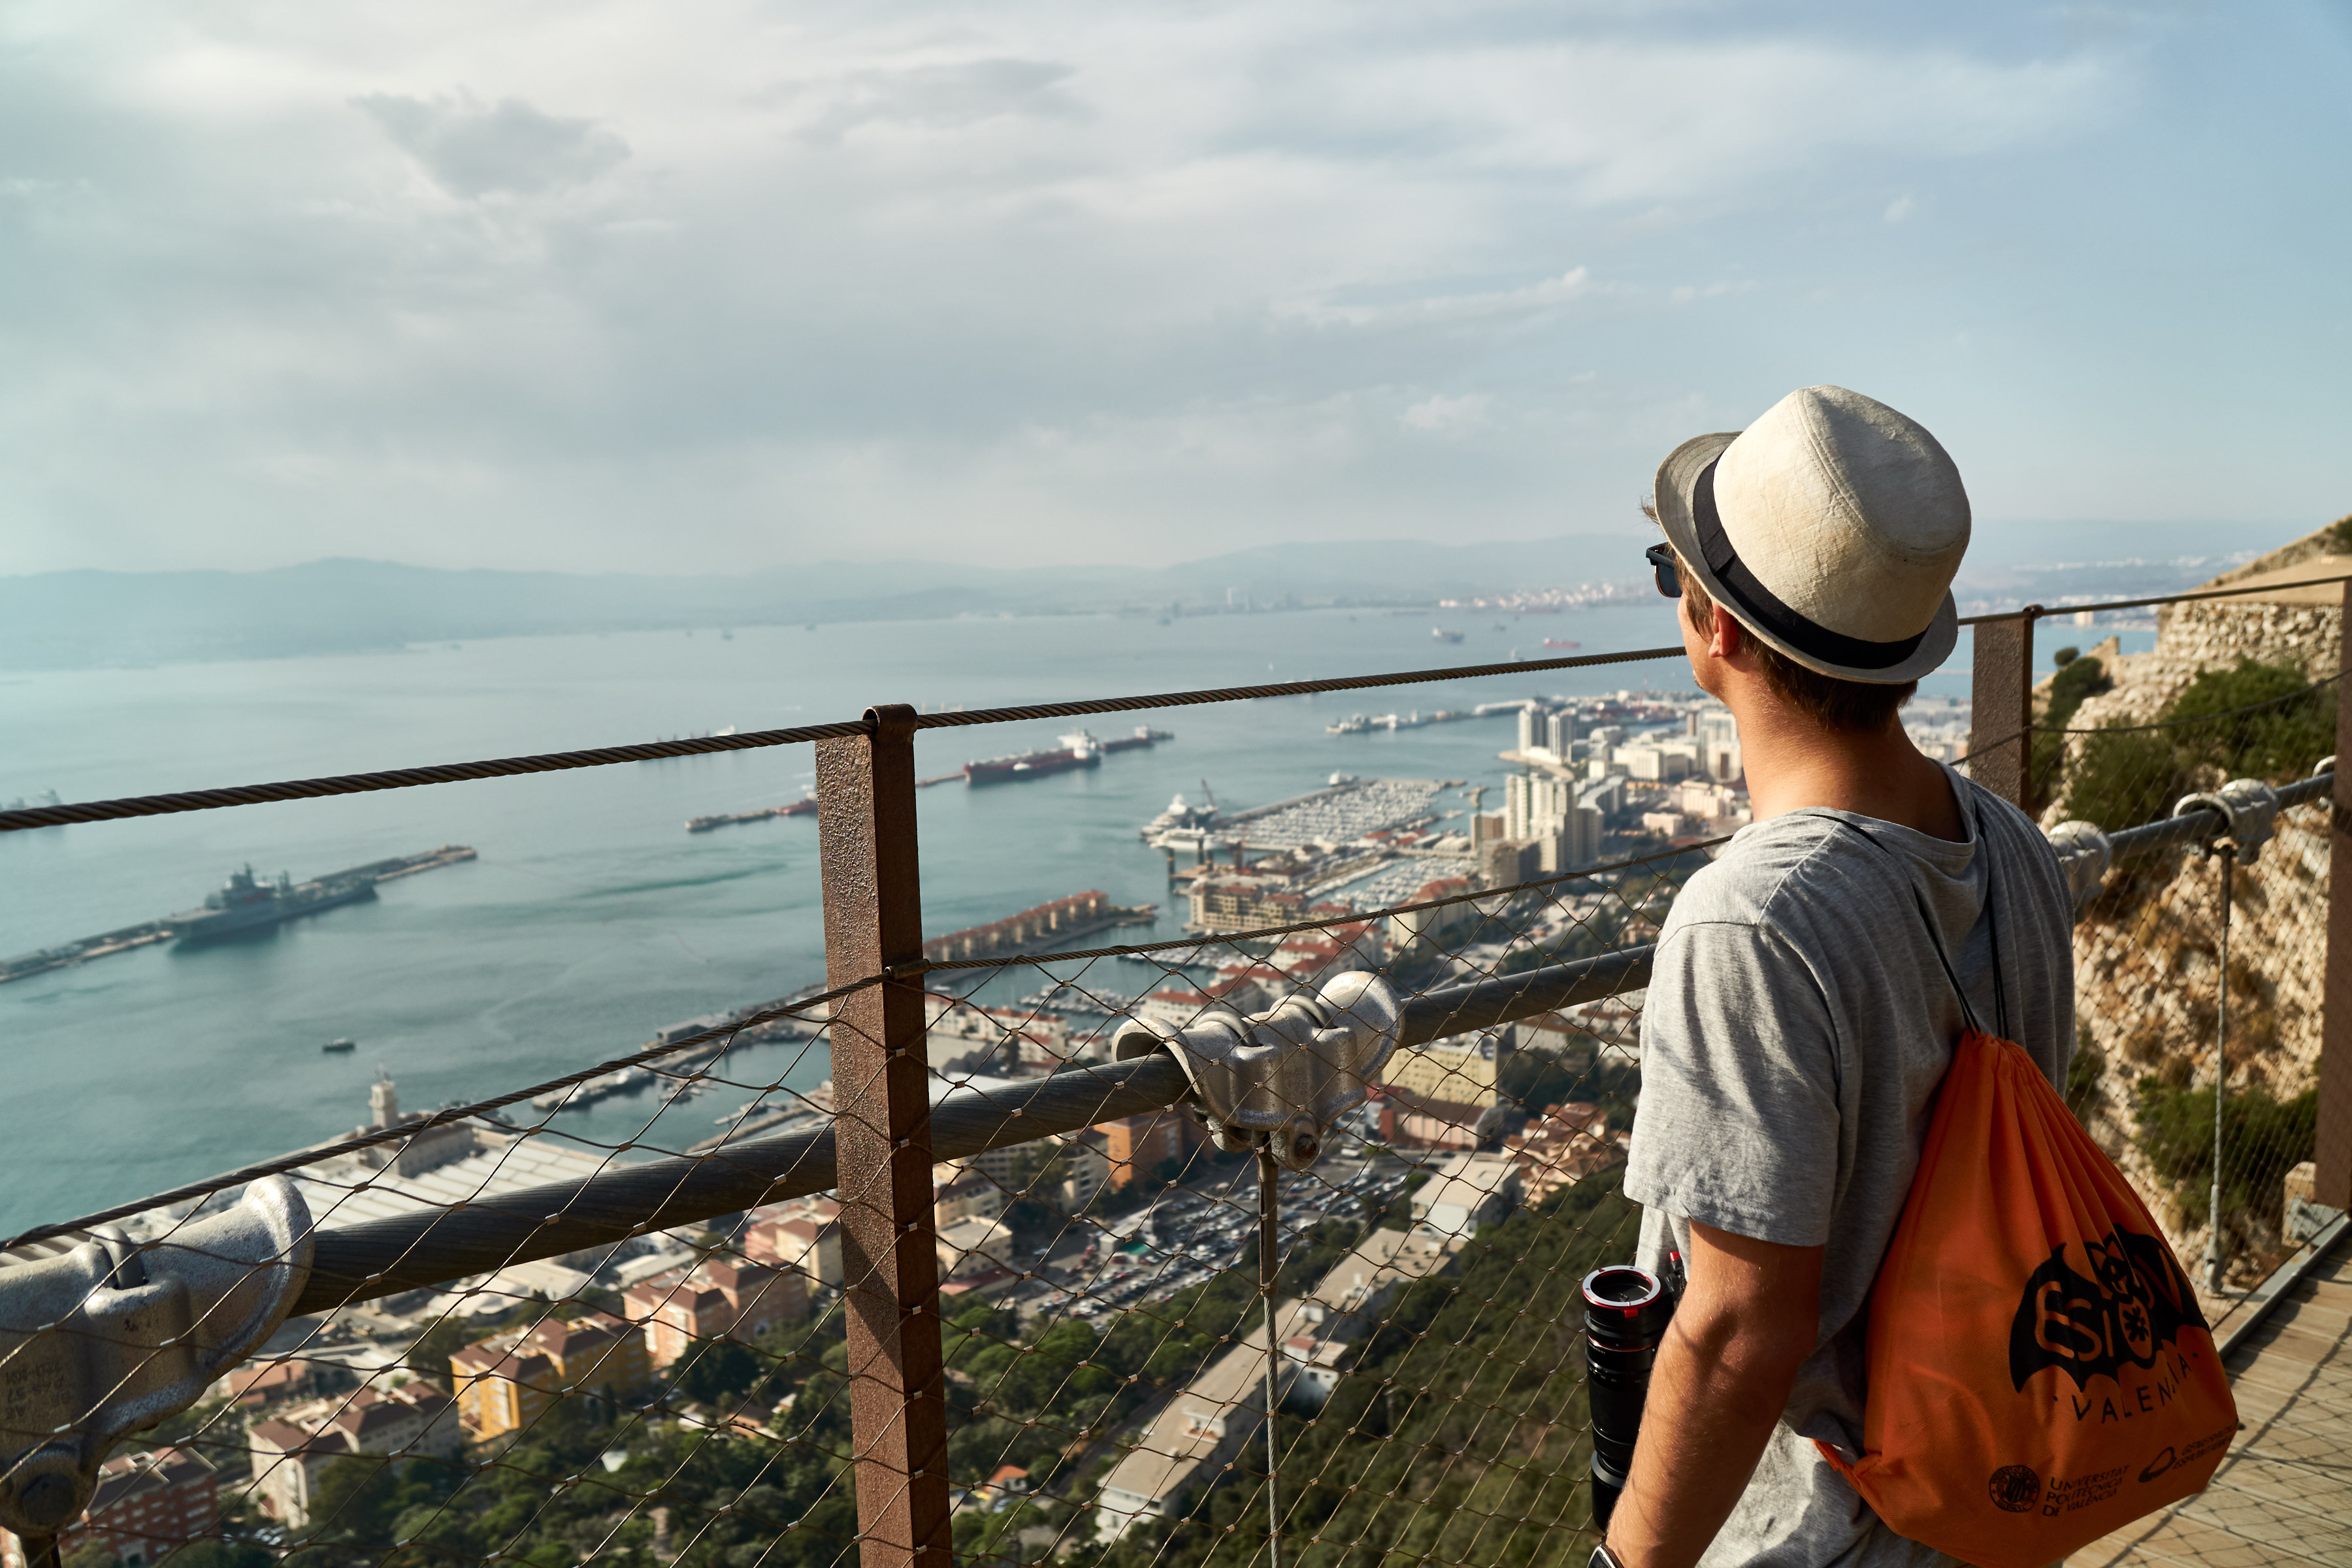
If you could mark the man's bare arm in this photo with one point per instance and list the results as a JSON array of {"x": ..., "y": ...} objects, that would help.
[{"x": 1746, "y": 1324}]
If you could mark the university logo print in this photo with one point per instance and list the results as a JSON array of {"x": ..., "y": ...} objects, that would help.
[{"x": 2131, "y": 1306}]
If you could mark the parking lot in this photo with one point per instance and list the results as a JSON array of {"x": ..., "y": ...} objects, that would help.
[{"x": 1193, "y": 1231}]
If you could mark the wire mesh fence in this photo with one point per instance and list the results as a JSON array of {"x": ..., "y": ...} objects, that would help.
[
  {"x": 2202, "y": 963},
  {"x": 517, "y": 1341}
]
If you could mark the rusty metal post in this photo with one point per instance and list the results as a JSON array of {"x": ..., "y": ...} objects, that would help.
[
  {"x": 2002, "y": 706},
  {"x": 873, "y": 920},
  {"x": 2334, "y": 1155}
]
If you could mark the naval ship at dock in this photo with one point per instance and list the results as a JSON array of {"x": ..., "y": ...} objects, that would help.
[{"x": 244, "y": 903}]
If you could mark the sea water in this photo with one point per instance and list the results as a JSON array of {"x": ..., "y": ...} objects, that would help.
[{"x": 592, "y": 916}]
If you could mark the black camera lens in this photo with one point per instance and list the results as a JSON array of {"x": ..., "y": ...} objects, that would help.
[{"x": 1626, "y": 1315}]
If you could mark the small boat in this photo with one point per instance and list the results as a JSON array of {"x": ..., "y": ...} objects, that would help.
[
  {"x": 1555, "y": 642},
  {"x": 1441, "y": 635},
  {"x": 337, "y": 1047}
]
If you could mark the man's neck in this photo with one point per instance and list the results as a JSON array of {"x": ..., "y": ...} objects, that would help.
[{"x": 1793, "y": 762}]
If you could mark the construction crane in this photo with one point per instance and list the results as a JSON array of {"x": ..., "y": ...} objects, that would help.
[{"x": 1211, "y": 794}]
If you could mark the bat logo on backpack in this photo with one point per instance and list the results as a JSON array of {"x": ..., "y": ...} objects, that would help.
[{"x": 2131, "y": 1306}]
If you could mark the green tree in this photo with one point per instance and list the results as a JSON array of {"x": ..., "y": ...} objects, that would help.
[
  {"x": 2261, "y": 1139},
  {"x": 2287, "y": 729},
  {"x": 716, "y": 1370},
  {"x": 2122, "y": 778},
  {"x": 210, "y": 1555},
  {"x": 2078, "y": 680},
  {"x": 428, "y": 1355}
]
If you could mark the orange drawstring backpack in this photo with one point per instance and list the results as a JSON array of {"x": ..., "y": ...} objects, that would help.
[{"x": 2040, "y": 1371}]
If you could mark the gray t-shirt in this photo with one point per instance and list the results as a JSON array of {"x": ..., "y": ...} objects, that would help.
[{"x": 1797, "y": 1025}]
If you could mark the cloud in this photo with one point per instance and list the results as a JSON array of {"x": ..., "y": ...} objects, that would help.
[
  {"x": 944, "y": 96},
  {"x": 722, "y": 283},
  {"x": 1899, "y": 210},
  {"x": 472, "y": 148},
  {"x": 1442, "y": 415}
]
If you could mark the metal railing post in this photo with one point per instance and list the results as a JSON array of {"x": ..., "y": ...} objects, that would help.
[
  {"x": 873, "y": 920},
  {"x": 2000, "y": 750},
  {"x": 2333, "y": 1158},
  {"x": 2216, "y": 1255}
]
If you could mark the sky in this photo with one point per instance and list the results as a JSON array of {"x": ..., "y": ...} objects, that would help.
[{"x": 710, "y": 285}]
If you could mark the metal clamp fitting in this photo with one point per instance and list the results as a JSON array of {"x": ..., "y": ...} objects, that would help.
[
  {"x": 2084, "y": 853},
  {"x": 1285, "y": 1075},
  {"x": 113, "y": 1337},
  {"x": 2247, "y": 807}
]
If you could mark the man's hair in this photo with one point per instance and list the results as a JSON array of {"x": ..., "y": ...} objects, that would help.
[{"x": 1854, "y": 706}]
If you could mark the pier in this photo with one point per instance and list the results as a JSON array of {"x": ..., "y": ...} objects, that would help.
[
  {"x": 107, "y": 944},
  {"x": 1046, "y": 926}
]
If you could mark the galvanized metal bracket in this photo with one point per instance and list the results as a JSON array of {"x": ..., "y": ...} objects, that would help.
[
  {"x": 2303, "y": 1219},
  {"x": 2248, "y": 808},
  {"x": 1280, "y": 1078},
  {"x": 2084, "y": 853},
  {"x": 114, "y": 1336}
]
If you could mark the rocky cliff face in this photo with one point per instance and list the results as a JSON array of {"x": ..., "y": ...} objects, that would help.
[{"x": 2149, "y": 973}]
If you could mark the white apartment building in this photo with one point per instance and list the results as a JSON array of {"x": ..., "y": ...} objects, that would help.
[
  {"x": 1465, "y": 1192},
  {"x": 292, "y": 1449}
]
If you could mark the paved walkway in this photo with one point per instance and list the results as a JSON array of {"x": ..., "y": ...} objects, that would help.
[{"x": 2285, "y": 1494}]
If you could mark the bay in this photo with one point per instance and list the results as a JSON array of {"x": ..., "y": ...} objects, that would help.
[{"x": 592, "y": 918}]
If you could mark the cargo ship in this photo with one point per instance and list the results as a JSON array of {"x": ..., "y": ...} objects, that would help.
[
  {"x": 246, "y": 903},
  {"x": 806, "y": 806},
  {"x": 1079, "y": 750}
]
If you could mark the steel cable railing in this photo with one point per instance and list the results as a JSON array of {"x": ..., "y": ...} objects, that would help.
[
  {"x": 25, "y": 817},
  {"x": 391, "y": 1256}
]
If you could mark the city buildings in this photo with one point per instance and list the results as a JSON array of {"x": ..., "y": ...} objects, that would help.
[
  {"x": 1195, "y": 1436},
  {"x": 1465, "y": 1192},
  {"x": 1560, "y": 1147},
  {"x": 803, "y": 1235},
  {"x": 1137, "y": 1146},
  {"x": 718, "y": 1298},
  {"x": 1442, "y": 1095},
  {"x": 146, "y": 1503},
  {"x": 1410, "y": 928},
  {"x": 293, "y": 1448},
  {"x": 1200, "y": 1431},
  {"x": 502, "y": 1383}
]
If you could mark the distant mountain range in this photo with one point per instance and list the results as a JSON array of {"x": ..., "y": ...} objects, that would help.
[{"x": 85, "y": 619}]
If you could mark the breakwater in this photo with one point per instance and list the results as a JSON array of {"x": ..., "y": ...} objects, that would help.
[{"x": 147, "y": 934}]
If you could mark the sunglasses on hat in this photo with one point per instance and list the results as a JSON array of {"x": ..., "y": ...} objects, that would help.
[{"x": 1661, "y": 557}]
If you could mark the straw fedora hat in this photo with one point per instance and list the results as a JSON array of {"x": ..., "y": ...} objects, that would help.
[{"x": 1831, "y": 529}]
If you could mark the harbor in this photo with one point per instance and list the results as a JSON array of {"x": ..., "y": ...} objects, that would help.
[
  {"x": 804, "y": 807},
  {"x": 245, "y": 904}
]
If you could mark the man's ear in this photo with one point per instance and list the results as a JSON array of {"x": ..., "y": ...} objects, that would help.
[{"x": 1729, "y": 635}]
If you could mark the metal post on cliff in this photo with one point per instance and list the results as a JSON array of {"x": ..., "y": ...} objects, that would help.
[
  {"x": 2333, "y": 1158},
  {"x": 874, "y": 922},
  {"x": 2001, "y": 743}
]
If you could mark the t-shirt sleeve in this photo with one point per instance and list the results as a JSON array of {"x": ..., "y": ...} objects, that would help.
[{"x": 1738, "y": 1126}]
